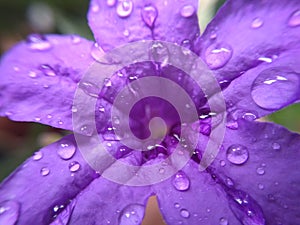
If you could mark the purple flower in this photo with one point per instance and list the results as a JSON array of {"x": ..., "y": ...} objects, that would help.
[{"x": 251, "y": 48}]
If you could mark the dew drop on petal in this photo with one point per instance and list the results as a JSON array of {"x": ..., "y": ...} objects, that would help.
[
  {"x": 176, "y": 205},
  {"x": 223, "y": 221},
  {"x": 45, "y": 171},
  {"x": 237, "y": 154},
  {"x": 276, "y": 146},
  {"x": 249, "y": 116},
  {"x": 110, "y": 2},
  {"x": 260, "y": 171},
  {"x": 261, "y": 186},
  {"x": 74, "y": 166},
  {"x": 97, "y": 52},
  {"x": 124, "y": 8},
  {"x": 222, "y": 163},
  {"x": 90, "y": 89},
  {"x": 9, "y": 212},
  {"x": 38, "y": 42},
  {"x": 37, "y": 156},
  {"x": 32, "y": 74},
  {"x": 294, "y": 19},
  {"x": 257, "y": 23},
  {"x": 149, "y": 15},
  {"x": 66, "y": 150},
  {"x": 184, "y": 213},
  {"x": 217, "y": 55},
  {"x": 95, "y": 7},
  {"x": 275, "y": 88},
  {"x": 181, "y": 181},
  {"x": 132, "y": 215},
  {"x": 126, "y": 33},
  {"x": 47, "y": 70},
  {"x": 187, "y": 10}
]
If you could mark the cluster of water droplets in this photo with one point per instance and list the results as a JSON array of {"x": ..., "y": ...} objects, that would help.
[{"x": 66, "y": 150}]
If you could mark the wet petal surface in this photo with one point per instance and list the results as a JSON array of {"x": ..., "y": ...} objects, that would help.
[{"x": 39, "y": 78}]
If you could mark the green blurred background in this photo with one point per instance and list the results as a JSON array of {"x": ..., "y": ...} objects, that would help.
[{"x": 22, "y": 17}]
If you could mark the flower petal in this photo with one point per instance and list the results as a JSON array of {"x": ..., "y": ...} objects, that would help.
[
  {"x": 265, "y": 88},
  {"x": 245, "y": 34},
  {"x": 117, "y": 22},
  {"x": 39, "y": 78},
  {"x": 262, "y": 160},
  {"x": 106, "y": 202},
  {"x": 46, "y": 183},
  {"x": 193, "y": 197}
]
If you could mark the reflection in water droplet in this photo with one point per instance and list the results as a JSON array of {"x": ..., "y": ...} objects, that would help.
[
  {"x": 32, "y": 74},
  {"x": 149, "y": 15},
  {"x": 261, "y": 186},
  {"x": 9, "y": 212},
  {"x": 187, "y": 11},
  {"x": 237, "y": 154},
  {"x": 294, "y": 19},
  {"x": 66, "y": 150},
  {"x": 275, "y": 88},
  {"x": 95, "y": 7},
  {"x": 75, "y": 39},
  {"x": 257, "y": 23},
  {"x": 45, "y": 171},
  {"x": 217, "y": 55},
  {"x": 176, "y": 205},
  {"x": 181, "y": 181},
  {"x": 38, "y": 42},
  {"x": 124, "y": 8},
  {"x": 74, "y": 166},
  {"x": 184, "y": 213},
  {"x": 132, "y": 215}
]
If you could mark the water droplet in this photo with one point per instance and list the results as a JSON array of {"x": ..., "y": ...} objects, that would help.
[
  {"x": 275, "y": 88},
  {"x": 187, "y": 11},
  {"x": 261, "y": 186},
  {"x": 249, "y": 116},
  {"x": 186, "y": 44},
  {"x": 222, "y": 163},
  {"x": 245, "y": 208},
  {"x": 66, "y": 150},
  {"x": 276, "y": 146},
  {"x": 38, "y": 42},
  {"x": 75, "y": 39},
  {"x": 97, "y": 52},
  {"x": 9, "y": 212},
  {"x": 237, "y": 154},
  {"x": 160, "y": 53},
  {"x": 223, "y": 221},
  {"x": 229, "y": 182},
  {"x": 181, "y": 181},
  {"x": 149, "y": 15},
  {"x": 124, "y": 8},
  {"x": 74, "y": 109},
  {"x": 37, "y": 156},
  {"x": 184, "y": 213},
  {"x": 132, "y": 215},
  {"x": 233, "y": 125},
  {"x": 86, "y": 130},
  {"x": 126, "y": 33},
  {"x": 260, "y": 171},
  {"x": 257, "y": 23},
  {"x": 47, "y": 70},
  {"x": 45, "y": 171},
  {"x": 74, "y": 166},
  {"x": 32, "y": 74},
  {"x": 110, "y": 2},
  {"x": 294, "y": 19},
  {"x": 161, "y": 170},
  {"x": 265, "y": 59},
  {"x": 176, "y": 205},
  {"x": 90, "y": 89},
  {"x": 101, "y": 109},
  {"x": 217, "y": 55}
]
